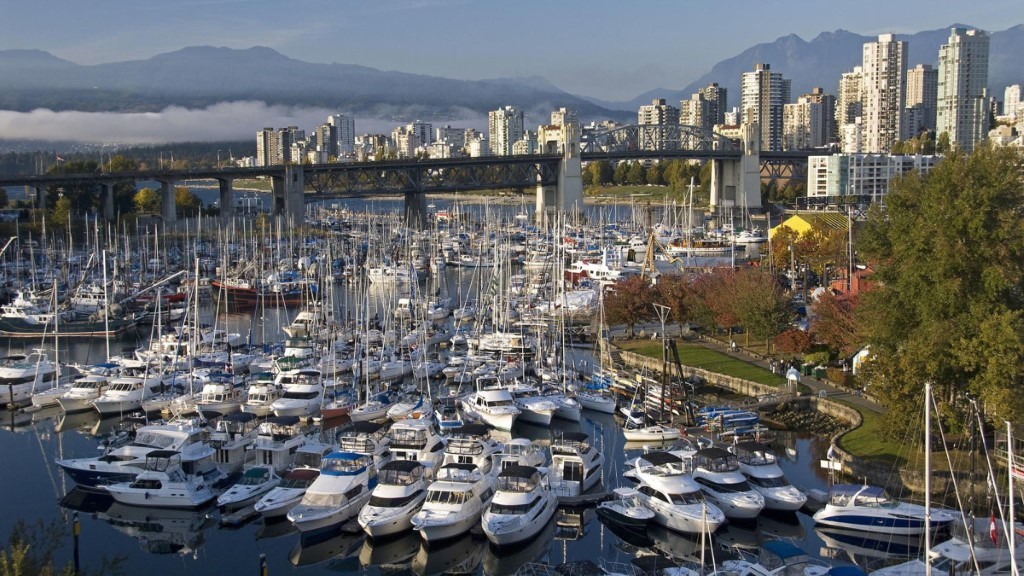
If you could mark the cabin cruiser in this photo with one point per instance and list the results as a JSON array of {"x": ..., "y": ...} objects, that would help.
[
  {"x": 399, "y": 494},
  {"x": 221, "y": 394},
  {"x": 277, "y": 441},
  {"x": 533, "y": 407},
  {"x": 575, "y": 464},
  {"x": 447, "y": 414},
  {"x": 368, "y": 438},
  {"x": 626, "y": 509},
  {"x": 869, "y": 508},
  {"x": 759, "y": 464},
  {"x": 495, "y": 407},
  {"x": 718, "y": 473},
  {"x": 82, "y": 392},
  {"x": 666, "y": 487},
  {"x": 337, "y": 495},
  {"x": 124, "y": 462},
  {"x": 302, "y": 393},
  {"x": 650, "y": 433},
  {"x": 519, "y": 452},
  {"x": 416, "y": 439},
  {"x": 522, "y": 506},
  {"x": 263, "y": 392},
  {"x": 471, "y": 444},
  {"x": 124, "y": 395},
  {"x": 455, "y": 500},
  {"x": 253, "y": 484},
  {"x": 233, "y": 438},
  {"x": 165, "y": 483},
  {"x": 21, "y": 376},
  {"x": 287, "y": 494}
]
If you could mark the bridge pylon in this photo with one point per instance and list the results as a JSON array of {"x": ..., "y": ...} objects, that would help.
[
  {"x": 567, "y": 195},
  {"x": 289, "y": 190},
  {"x": 736, "y": 183}
]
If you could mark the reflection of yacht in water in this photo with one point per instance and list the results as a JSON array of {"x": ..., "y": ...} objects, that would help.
[
  {"x": 459, "y": 556},
  {"x": 160, "y": 530},
  {"x": 394, "y": 553},
  {"x": 859, "y": 546},
  {"x": 319, "y": 547},
  {"x": 274, "y": 528},
  {"x": 507, "y": 560}
]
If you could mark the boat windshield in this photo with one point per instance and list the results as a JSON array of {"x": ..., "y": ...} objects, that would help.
[
  {"x": 515, "y": 483},
  {"x": 448, "y": 497},
  {"x": 342, "y": 466},
  {"x": 254, "y": 477},
  {"x": 777, "y": 482},
  {"x": 144, "y": 438}
]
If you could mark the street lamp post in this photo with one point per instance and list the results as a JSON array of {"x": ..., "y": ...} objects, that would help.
[{"x": 218, "y": 158}]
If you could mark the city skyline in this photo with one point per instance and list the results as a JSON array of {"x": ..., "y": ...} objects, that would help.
[{"x": 602, "y": 49}]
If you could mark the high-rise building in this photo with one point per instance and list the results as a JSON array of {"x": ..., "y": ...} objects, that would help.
[
  {"x": 808, "y": 123},
  {"x": 326, "y": 141},
  {"x": 763, "y": 94},
  {"x": 345, "y": 127},
  {"x": 848, "y": 104},
  {"x": 827, "y": 131},
  {"x": 660, "y": 116},
  {"x": 274, "y": 147},
  {"x": 563, "y": 117},
  {"x": 454, "y": 136},
  {"x": 718, "y": 102},
  {"x": 884, "y": 92},
  {"x": 696, "y": 112},
  {"x": 922, "y": 99},
  {"x": 963, "y": 103},
  {"x": 264, "y": 144},
  {"x": 1011, "y": 102},
  {"x": 505, "y": 128},
  {"x": 864, "y": 176}
]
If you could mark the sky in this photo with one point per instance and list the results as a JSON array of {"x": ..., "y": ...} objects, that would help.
[{"x": 608, "y": 49}]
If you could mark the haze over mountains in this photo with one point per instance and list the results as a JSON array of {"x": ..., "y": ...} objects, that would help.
[{"x": 201, "y": 77}]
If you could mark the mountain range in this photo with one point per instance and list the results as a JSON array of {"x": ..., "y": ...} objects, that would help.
[{"x": 200, "y": 76}]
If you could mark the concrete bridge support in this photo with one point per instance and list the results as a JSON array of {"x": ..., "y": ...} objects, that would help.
[
  {"x": 107, "y": 189},
  {"x": 40, "y": 197},
  {"x": 567, "y": 196},
  {"x": 415, "y": 210},
  {"x": 227, "y": 198},
  {"x": 289, "y": 194},
  {"x": 737, "y": 183},
  {"x": 169, "y": 209}
]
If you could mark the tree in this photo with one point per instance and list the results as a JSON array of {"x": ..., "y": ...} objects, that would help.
[
  {"x": 760, "y": 305},
  {"x": 833, "y": 324},
  {"x": 588, "y": 177},
  {"x": 942, "y": 144},
  {"x": 628, "y": 302},
  {"x": 186, "y": 203},
  {"x": 621, "y": 173},
  {"x": 674, "y": 292},
  {"x": 61, "y": 213},
  {"x": 711, "y": 302},
  {"x": 948, "y": 300},
  {"x": 793, "y": 341},
  {"x": 602, "y": 171},
  {"x": 654, "y": 175},
  {"x": 637, "y": 174},
  {"x": 147, "y": 201}
]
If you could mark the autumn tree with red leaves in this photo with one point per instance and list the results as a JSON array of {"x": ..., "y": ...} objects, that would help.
[{"x": 628, "y": 302}]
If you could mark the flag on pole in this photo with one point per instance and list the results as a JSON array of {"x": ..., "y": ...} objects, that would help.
[
  {"x": 992, "y": 529},
  {"x": 831, "y": 455}
]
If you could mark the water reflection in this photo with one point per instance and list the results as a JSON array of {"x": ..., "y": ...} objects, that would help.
[
  {"x": 863, "y": 548},
  {"x": 460, "y": 556},
  {"x": 391, "y": 554},
  {"x": 274, "y": 528},
  {"x": 315, "y": 549},
  {"x": 161, "y": 530},
  {"x": 500, "y": 561}
]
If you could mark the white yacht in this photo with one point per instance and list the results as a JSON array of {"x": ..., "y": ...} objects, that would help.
[
  {"x": 418, "y": 440},
  {"x": 718, "y": 473},
  {"x": 262, "y": 393},
  {"x": 522, "y": 506},
  {"x": 253, "y": 484},
  {"x": 666, "y": 487},
  {"x": 233, "y": 438},
  {"x": 287, "y": 494},
  {"x": 220, "y": 395},
  {"x": 124, "y": 463},
  {"x": 454, "y": 502},
  {"x": 519, "y": 452},
  {"x": 368, "y": 438},
  {"x": 165, "y": 483},
  {"x": 277, "y": 442},
  {"x": 84, "y": 390},
  {"x": 408, "y": 406},
  {"x": 21, "y": 376},
  {"x": 575, "y": 464},
  {"x": 124, "y": 394},
  {"x": 338, "y": 493},
  {"x": 471, "y": 444},
  {"x": 302, "y": 393},
  {"x": 967, "y": 544},
  {"x": 534, "y": 407},
  {"x": 869, "y": 508},
  {"x": 494, "y": 407},
  {"x": 760, "y": 465},
  {"x": 399, "y": 494}
]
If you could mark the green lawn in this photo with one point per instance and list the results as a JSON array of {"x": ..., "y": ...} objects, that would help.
[
  {"x": 867, "y": 441},
  {"x": 707, "y": 359}
]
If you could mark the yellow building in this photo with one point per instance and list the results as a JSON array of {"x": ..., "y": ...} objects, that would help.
[{"x": 803, "y": 222}]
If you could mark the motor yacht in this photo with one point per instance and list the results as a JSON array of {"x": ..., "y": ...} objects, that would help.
[
  {"x": 495, "y": 407},
  {"x": 472, "y": 444},
  {"x": 447, "y": 414},
  {"x": 534, "y": 407},
  {"x": 626, "y": 510},
  {"x": 22, "y": 375},
  {"x": 82, "y": 392},
  {"x": 125, "y": 395},
  {"x": 263, "y": 392},
  {"x": 253, "y": 484},
  {"x": 522, "y": 506},
  {"x": 455, "y": 500},
  {"x": 287, "y": 494},
  {"x": 302, "y": 393},
  {"x": 123, "y": 463},
  {"x": 666, "y": 487},
  {"x": 337, "y": 495},
  {"x": 519, "y": 452},
  {"x": 575, "y": 464},
  {"x": 233, "y": 438},
  {"x": 277, "y": 441},
  {"x": 717, "y": 471},
  {"x": 417, "y": 440},
  {"x": 399, "y": 494},
  {"x": 368, "y": 438},
  {"x": 871, "y": 509},
  {"x": 759, "y": 464},
  {"x": 165, "y": 483}
]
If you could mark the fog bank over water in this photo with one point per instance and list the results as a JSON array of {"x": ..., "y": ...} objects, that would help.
[{"x": 223, "y": 121}]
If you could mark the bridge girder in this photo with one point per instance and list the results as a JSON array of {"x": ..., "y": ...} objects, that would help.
[
  {"x": 411, "y": 178},
  {"x": 635, "y": 138}
]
